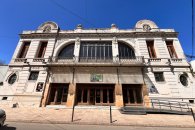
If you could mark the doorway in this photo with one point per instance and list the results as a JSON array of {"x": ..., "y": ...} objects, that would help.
[
  {"x": 95, "y": 94},
  {"x": 132, "y": 94},
  {"x": 58, "y": 94}
]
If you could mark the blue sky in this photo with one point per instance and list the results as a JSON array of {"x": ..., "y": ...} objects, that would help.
[{"x": 19, "y": 15}]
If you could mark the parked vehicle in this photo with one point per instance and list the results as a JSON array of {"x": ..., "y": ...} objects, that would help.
[{"x": 2, "y": 117}]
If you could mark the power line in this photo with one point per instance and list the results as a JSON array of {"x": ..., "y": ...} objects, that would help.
[{"x": 71, "y": 12}]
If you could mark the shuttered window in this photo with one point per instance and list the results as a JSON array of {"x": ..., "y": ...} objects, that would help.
[
  {"x": 24, "y": 50},
  {"x": 41, "y": 50},
  {"x": 151, "y": 50}
]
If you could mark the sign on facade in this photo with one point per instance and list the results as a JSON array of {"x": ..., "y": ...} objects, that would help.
[{"x": 96, "y": 78}]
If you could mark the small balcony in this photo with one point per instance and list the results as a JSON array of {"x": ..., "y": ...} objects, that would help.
[
  {"x": 166, "y": 62},
  {"x": 29, "y": 61},
  {"x": 20, "y": 60}
]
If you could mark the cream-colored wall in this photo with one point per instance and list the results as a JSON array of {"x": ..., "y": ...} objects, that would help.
[{"x": 171, "y": 88}]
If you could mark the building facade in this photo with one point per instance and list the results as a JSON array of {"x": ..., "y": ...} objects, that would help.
[
  {"x": 108, "y": 66},
  {"x": 3, "y": 71}
]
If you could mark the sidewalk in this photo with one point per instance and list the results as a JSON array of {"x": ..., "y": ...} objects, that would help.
[{"x": 95, "y": 116}]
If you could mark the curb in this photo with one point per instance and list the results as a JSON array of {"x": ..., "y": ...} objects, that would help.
[{"x": 104, "y": 124}]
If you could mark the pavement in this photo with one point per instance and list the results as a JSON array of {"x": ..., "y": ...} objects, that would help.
[
  {"x": 94, "y": 116},
  {"x": 38, "y": 126}
]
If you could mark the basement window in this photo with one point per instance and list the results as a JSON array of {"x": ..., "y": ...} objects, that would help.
[
  {"x": 4, "y": 98},
  {"x": 191, "y": 101}
]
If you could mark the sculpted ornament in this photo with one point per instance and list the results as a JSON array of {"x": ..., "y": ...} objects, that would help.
[
  {"x": 47, "y": 29},
  {"x": 114, "y": 40}
]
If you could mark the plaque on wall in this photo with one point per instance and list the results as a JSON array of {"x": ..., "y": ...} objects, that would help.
[
  {"x": 39, "y": 87},
  {"x": 96, "y": 77}
]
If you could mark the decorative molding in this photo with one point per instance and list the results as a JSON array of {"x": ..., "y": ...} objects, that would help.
[
  {"x": 59, "y": 42},
  {"x": 104, "y": 35}
]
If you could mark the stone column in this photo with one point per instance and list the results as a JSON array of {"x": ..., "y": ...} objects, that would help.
[
  {"x": 77, "y": 49},
  {"x": 45, "y": 95},
  {"x": 146, "y": 98},
  {"x": 118, "y": 95},
  {"x": 71, "y": 95},
  {"x": 115, "y": 52}
]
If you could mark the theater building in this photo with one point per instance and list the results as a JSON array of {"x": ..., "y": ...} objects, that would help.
[{"x": 54, "y": 67}]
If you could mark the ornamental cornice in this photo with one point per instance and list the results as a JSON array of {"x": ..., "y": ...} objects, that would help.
[{"x": 97, "y": 35}]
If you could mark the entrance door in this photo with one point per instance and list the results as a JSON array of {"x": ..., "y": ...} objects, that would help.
[
  {"x": 92, "y": 96},
  {"x": 58, "y": 94},
  {"x": 96, "y": 94},
  {"x": 132, "y": 94}
]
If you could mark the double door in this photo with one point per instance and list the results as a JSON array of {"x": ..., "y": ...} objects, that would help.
[
  {"x": 95, "y": 94},
  {"x": 58, "y": 94},
  {"x": 132, "y": 95}
]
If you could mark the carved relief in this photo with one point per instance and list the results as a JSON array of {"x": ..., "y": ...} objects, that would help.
[
  {"x": 47, "y": 29},
  {"x": 146, "y": 24},
  {"x": 50, "y": 25}
]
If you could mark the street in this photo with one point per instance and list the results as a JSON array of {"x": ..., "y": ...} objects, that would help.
[{"x": 40, "y": 126}]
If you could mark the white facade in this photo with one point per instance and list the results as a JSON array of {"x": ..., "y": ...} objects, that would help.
[{"x": 135, "y": 71}]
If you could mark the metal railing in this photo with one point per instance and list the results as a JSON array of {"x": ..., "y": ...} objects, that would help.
[
  {"x": 170, "y": 105},
  {"x": 95, "y": 59}
]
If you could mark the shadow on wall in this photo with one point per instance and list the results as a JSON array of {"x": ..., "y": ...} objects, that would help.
[
  {"x": 6, "y": 127},
  {"x": 151, "y": 87}
]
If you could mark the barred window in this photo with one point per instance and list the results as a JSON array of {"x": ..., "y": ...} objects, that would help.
[
  {"x": 100, "y": 50},
  {"x": 125, "y": 52},
  {"x": 33, "y": 75},
  {"x": 159, "y": 77}
]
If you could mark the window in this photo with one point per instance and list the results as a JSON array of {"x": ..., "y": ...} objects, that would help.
[
  {"x": 4, "y": 98},
  {"x": 58, "y": 94},
  {"x": 191, "y": 101},
  {"x": 33, "y": 75},
  {"x": 24, "y": 50},
  {"x": 171, "y": 49},
  {"x": 125, "y": 52},
  {"x": 96, "y": 50},
  {"x": 159, "y": 77},
  {"x": 12, "y": 79},
  {"x": 183, "y": 79},
  {"x": 42, "y": 49},
  {"x": 67, "y": 52},
  {"x": 151, "y": 50}
]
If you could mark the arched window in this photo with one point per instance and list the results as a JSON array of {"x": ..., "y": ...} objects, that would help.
[
  {"x": 125, "y": 52},
  {"x": 67, "y": 52}
]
